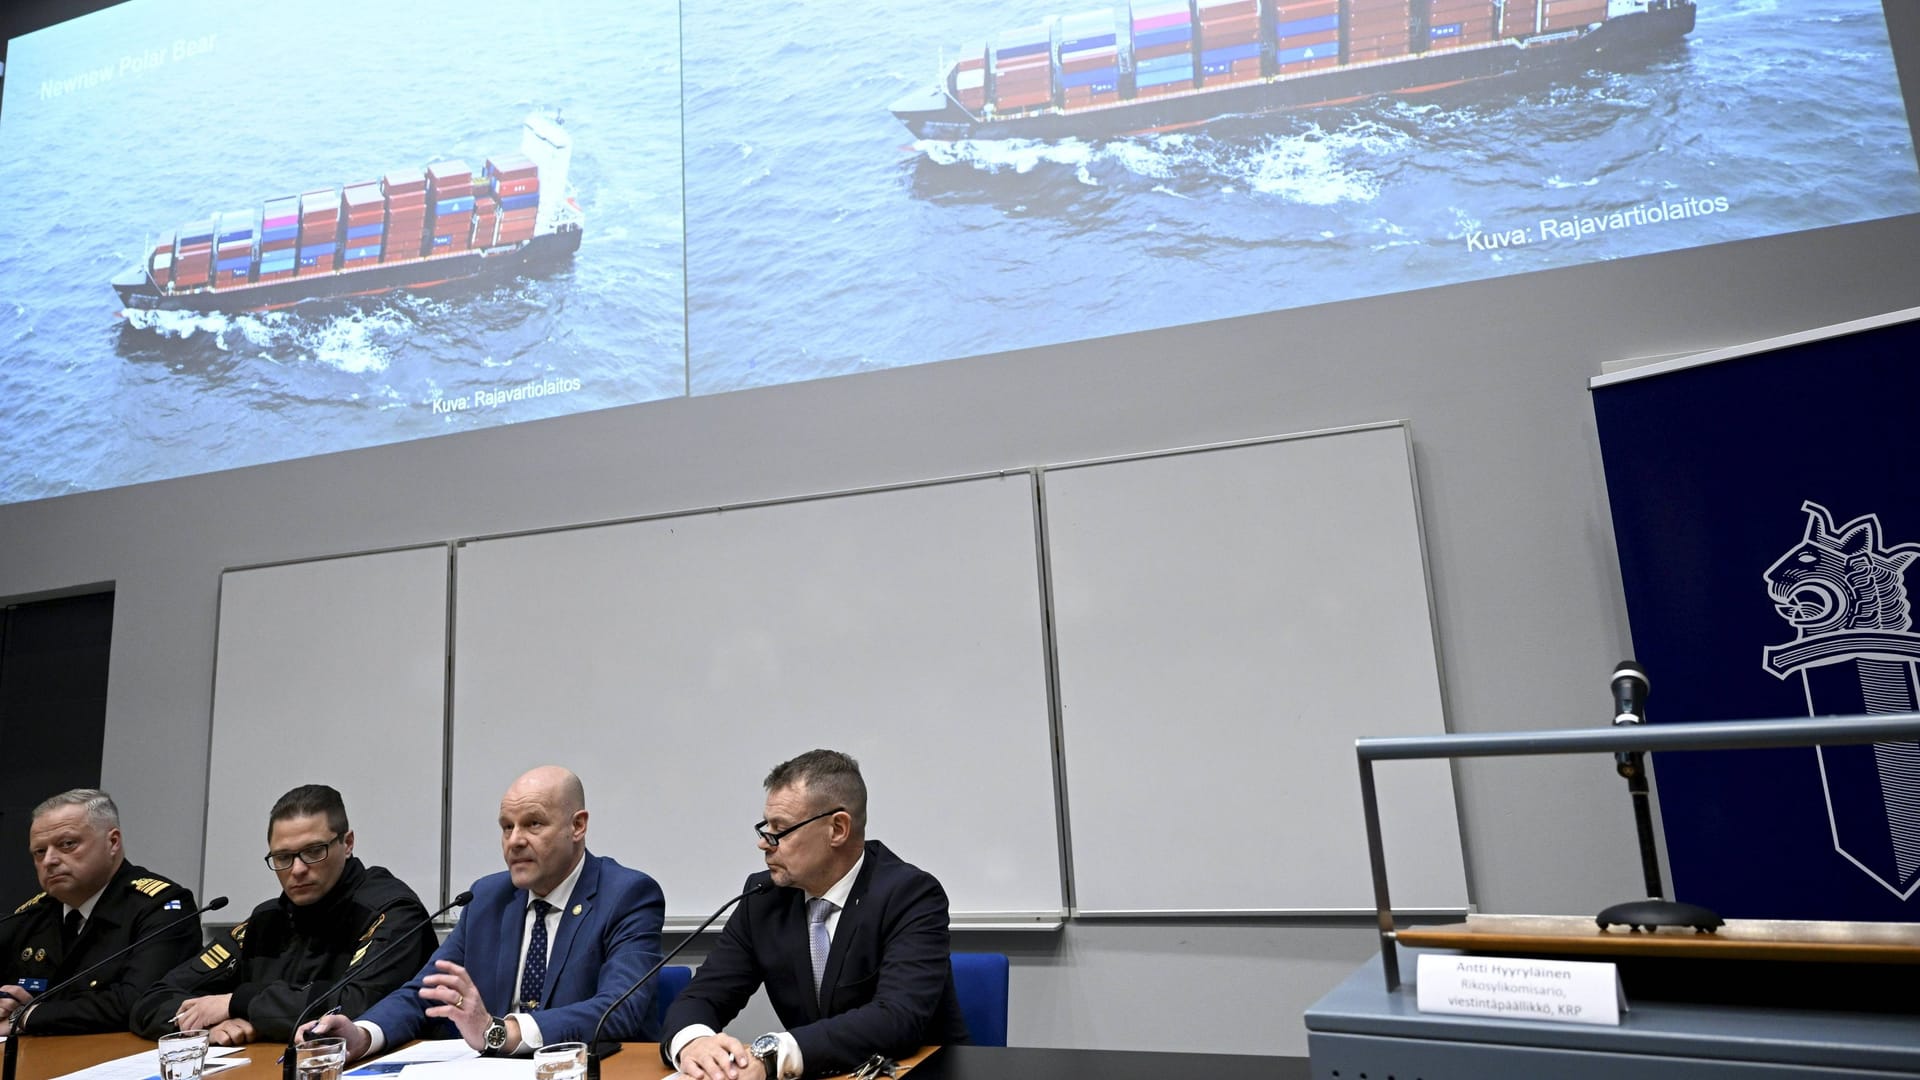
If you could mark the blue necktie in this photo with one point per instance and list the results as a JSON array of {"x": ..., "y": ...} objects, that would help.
[
  {"x": 533, "y": 980},
  {"x": 818, "y": 909}
]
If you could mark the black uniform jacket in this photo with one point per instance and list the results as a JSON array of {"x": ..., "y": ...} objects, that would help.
[
  {"x": 135, "y": 902},
  {"x": 284, "y": 956}
]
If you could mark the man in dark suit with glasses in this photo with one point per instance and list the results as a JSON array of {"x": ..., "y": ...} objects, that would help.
[
  {"x": 850, "y": 942},
  {"x": 333, "y": 913}
]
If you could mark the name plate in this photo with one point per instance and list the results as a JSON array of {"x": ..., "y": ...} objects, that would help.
[{"x": 1563, "y": 991}]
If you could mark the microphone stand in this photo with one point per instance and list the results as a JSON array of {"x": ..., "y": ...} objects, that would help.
[
  {"x": 10, "y": 1057},
  {"x": 288, "y": 1060},
  {"x": 1630, "y": 687},
  {"x": 594, "y": 1053}
]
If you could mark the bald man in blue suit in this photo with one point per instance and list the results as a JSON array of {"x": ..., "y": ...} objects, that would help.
[{"x": 543, "y": 949}]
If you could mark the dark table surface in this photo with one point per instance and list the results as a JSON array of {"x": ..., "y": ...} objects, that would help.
[{"x": 1032, "y": 1063}]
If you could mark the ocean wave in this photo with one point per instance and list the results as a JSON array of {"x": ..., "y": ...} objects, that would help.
[{"x": 354, "y": 343}]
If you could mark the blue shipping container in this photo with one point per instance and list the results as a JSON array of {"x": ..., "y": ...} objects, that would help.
[
  {"x": 1172, "y": 35},
  {"x": 240, "y": 263},
  {"x": 1306, "y": 26},
  {"x": 1230, "y": 53},
  {"x": 1182, "y": 62},
  {"x": 1162, "y": 78},
  {"x": 1447, "y": 31},
  {"x": 324, "y": 251},
  {"x": 1101, "y": 76},
  {"x": 520, "y": 202},
  {"x": 1018, "y": 49},
  {"x": 453, "y": 206},
  {"x": 361, "y": 232},
  {"x": 1097, "y": 41},
  {"x": 363, "y": 252}
]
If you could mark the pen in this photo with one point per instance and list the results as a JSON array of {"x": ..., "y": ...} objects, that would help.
[{"x": 282, "y": 1059}]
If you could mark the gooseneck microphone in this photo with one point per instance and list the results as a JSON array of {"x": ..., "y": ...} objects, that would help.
[
  {"x": 12, "y": 1052},
  {"x": 287, "y": 1061},
  {"x": 593, "y": 1044},
  {"x": 1629, "y": 685}
]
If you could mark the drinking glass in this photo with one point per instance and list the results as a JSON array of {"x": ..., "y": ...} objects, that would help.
[
  {"x": 560, "y": 1061},
  {"x": 183, "y": 1055},
  {"x": 319, "y": 1059}
]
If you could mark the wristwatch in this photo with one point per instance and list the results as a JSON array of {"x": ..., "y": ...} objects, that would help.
[
  {"x": 496, "y": 1036},
  {"x": 767, "y": 1049}
]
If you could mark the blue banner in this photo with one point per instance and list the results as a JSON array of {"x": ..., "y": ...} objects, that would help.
[{"x": 1768, "y": 525}]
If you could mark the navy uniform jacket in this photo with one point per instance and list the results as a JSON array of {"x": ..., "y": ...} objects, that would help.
[
  {"x": 608, "y": 936},
  {"x": 284, "y": 954},
  {"x": 135, "y": 902},
  {"x": 888, "y": 986}
]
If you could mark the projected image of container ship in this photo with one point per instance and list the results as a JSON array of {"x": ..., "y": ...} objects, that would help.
[
  {"x": 409, "y": 230},
  {"x": 1156, "y": 65}
]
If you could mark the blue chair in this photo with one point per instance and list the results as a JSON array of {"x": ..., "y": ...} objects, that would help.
[
  {"x": 666, "y": 986},
  {"x": 980, "y": 981}
]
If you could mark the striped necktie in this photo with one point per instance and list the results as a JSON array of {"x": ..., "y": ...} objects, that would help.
[{"x": 818, "y": 943}]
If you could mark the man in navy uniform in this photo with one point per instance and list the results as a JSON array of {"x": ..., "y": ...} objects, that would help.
[
  {"x": 93, "y": 904},
  {"x": 851, "y": 944},
  {"x": 543, "y": 949},
  {"x": 334, "y": 915}
]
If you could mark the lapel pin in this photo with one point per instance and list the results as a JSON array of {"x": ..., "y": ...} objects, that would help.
[
  {"x": 40, "y": 954},
  {"x": 26, "y": 953},
  {"x": 576, "y": 909}
]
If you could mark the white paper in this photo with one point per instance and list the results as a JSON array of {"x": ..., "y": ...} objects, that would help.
[
  {"x": 427, "y": 1050},
  {"x": 145, "y": 1065},
  {"x": 1511, "y": 988},
  {"x": 470, "y": 1068}
]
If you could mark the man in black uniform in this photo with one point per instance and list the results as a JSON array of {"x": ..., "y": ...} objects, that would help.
[
  {"x": 332, "y": 915},
  {"x": 94, "y": 903}
]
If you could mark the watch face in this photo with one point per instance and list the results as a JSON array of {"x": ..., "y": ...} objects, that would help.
[
  {"x": 766, "y": 1044},
  {"x": 497, "y": 1033}
]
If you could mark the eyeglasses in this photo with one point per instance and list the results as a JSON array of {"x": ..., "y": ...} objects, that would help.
[
  {"x": 773, "y": 838},
  {"x": 312, "y": 853}
]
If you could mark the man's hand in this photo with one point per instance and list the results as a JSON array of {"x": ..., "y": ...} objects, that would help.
[
  {"x": 451, "y": 995},
  {"x": 233, "y": 1032},
  {"x": 204, "y": 1012},
  {"x": 336, "y": 1025},
  {"x": 13, "y": 998},
  {"x": 719, "y": 1057}
]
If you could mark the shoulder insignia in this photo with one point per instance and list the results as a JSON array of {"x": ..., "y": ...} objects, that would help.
[
  {"x": 150, "y": 886},
  {"x": 37, "y": 897},
  {"x": 368, "y": 936},
  {"x": 239, "y": 933},
  {"x": 358, "y": 953},
  {"x": 215, "y": 955}
]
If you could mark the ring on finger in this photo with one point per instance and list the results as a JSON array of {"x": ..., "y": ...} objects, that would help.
[{"x": 459, "y": 1000}]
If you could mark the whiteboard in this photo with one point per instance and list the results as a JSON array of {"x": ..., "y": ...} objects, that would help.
[
  {"x": 330, "y": 672},
  {"x": 1227, "y": 622},
  {"x": 672, "y": 661}
]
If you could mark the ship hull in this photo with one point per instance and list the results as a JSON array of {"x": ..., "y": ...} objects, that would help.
[
  {"x": 138, "y": 292},
  {"x": 1424, "y": 73}
]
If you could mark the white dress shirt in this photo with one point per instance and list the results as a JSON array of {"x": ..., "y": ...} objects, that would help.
[{"x": 791, "y": 1064}]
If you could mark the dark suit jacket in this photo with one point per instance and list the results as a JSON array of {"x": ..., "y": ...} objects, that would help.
[
  {"x": 135, "y": 902},
  {"x": 597, "y": 954},
  {"x": 888, "y": 987}
]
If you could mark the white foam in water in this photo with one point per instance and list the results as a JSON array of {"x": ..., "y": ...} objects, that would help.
[
  {"x": 349, "y": 343},
  {"x": 178, "y": 324}
]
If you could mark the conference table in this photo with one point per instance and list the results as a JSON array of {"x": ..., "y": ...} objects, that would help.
[{"x": 57, "y": 1055}]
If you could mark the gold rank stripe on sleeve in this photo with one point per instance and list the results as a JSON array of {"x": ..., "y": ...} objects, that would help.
[
  {"x": 150, "y": 886},
  {"x": 215, "y": 955},
  {"x": 358, "y": 953},
  {"x": 37, "y": 897},
  {"x": 368, "y": 936},
  {"x": 239, "y": 933}
]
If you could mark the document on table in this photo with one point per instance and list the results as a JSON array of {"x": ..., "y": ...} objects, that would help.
[
  {"x": 427, "y": 1051},
  {"x": 145, "y": 1065}
]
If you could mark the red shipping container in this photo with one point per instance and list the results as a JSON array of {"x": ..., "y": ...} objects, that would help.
[
  {"x": 1230, "y": 32},
  {"x": 1221, "y": 9},
  {"x": 404, "y": 182},
  {"x": 1305, "y": 9},
  {"x": 1154, "y": 52},
  {"x": 1518, "y": 17},
  {"x": 518, "y": 187},
  {"x": 1302, "y": 41}
]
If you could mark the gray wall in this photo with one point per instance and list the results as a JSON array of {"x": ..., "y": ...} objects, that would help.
[{"x": 1492, "y": 376}]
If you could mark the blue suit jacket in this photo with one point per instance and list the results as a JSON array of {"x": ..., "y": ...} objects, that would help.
[
  {"x": 596, "y": 955},
  {"x": 888, "y": 987}
]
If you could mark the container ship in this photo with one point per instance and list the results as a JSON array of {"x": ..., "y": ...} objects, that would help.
[
  {"x": 409, "y": 230},
  {"x": 1157, "y": 65}
]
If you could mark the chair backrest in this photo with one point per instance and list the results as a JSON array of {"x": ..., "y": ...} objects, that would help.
[
  {"x": 980, "y": 981},
  {"x": 666, "y": 986}
]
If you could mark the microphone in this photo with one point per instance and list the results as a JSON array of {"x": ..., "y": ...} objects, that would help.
[
  {"x": 593, "y": 1044},
  {"x": 287, "y": 1061},
  {"x": 1629, "y": 693},
  {"x": 12, "y": 1052}
]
